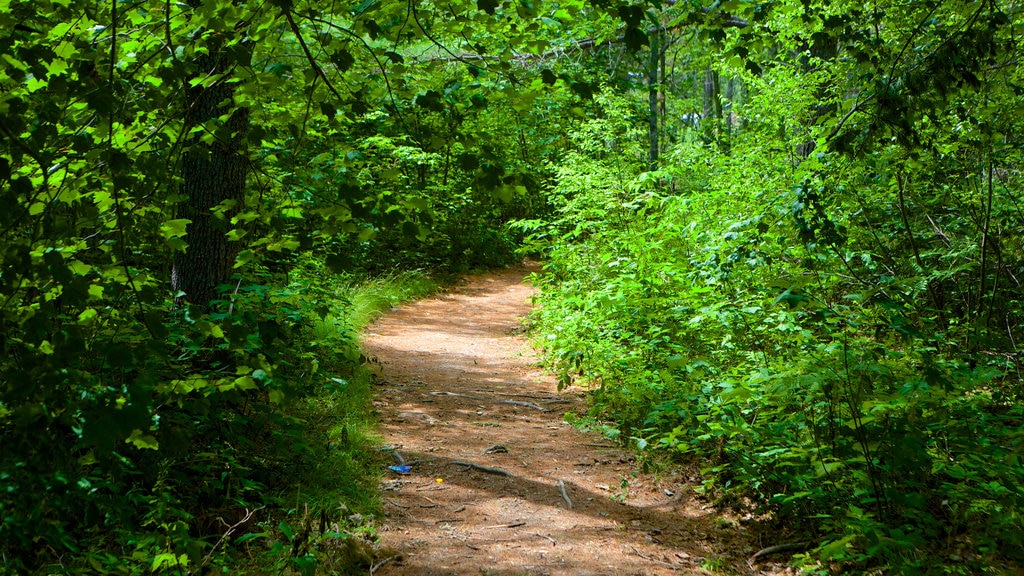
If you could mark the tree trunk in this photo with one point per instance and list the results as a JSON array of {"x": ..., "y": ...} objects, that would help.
[
  {"x": 712, "y": 106},
  {"x": 652, "y": 90},
  {"x": 213, "y": 175}
]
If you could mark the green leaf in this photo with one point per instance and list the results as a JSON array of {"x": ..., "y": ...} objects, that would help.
[
  {"x": 87, "y": 316},
  {"x": 174, "y": 228},
  {"x": 142, "y": 441},
  {"x": 343, "y": 59},
  {"x": 169, "y": 560},
  {"x": 837, "y": 548},
  {"x": 276, "y": 396},
  {"x": 338, "y": 263},
  {"x": 207, "y": 328},
  {"x": 56, "y": 68},
  {"x": 289, "y": 245},
  {"x": 244, "y": 257},
  {"x": 488, "y": 6},
  {"x": 792, "y": 299},
  {"x": 635, "y": 39},
  {"x": 287, "y": 530},
  {"x": 365, "y": 6}
]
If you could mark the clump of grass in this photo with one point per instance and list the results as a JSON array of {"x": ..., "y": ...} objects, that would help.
[
  {"x": 343, "y": 463},
  {"x": 371, "y": 298},
  {"x": 357, "y": 303},
  {"x": 340, "y": 412}
]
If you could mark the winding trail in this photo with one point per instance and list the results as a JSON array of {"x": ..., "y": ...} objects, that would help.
[{"x": 499, "y": 484}]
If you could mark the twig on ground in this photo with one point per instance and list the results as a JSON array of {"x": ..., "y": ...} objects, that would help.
[
  {"x": 377, "y": 566},
  {"x": 779, "y": 548},
  {"x": 546, "y": 537},
  {"x": 423, "y": 461},
  {"x": 487, "y": 469},
  {"x": 655, "y": 560},
  {"x": 565, "y": 495},
  {"x": 512, "y": 525},
  {"x": 496, "y": 401},
  {"x": 231, "y": 530},
  {"x": 534, "y": 396}
]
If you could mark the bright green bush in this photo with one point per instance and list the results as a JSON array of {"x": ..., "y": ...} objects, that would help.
[{"x": 777, "y": 322}]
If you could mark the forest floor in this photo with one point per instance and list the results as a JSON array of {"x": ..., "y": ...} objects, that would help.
[{"x": 498, "y": 483}]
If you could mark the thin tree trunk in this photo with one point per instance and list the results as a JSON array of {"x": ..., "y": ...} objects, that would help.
[
  {"x": 213, "y": 175},
  {"x": 652, "y": 91},
  {"x": 712, "y": 106}
]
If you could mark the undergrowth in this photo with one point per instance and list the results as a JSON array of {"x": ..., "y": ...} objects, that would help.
[
  {"x": 328, "y": 506},
  {"x": 280, "y": 474},
  {"x": 781, "y": 325}
]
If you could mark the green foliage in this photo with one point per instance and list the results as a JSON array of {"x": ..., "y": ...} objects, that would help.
[
  {"x": 137, "y": 420},
  {"x": 794, "y": 254},
  {"x": 823, "y": 309}
]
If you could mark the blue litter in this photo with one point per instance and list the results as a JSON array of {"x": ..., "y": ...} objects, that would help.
[{"x": 400, "y": 469}]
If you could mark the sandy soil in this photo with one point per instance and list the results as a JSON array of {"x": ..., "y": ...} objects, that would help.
[{"x": 499, "y": 484}]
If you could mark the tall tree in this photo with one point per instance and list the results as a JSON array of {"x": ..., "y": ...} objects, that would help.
[{"x": 213, "y": 171}]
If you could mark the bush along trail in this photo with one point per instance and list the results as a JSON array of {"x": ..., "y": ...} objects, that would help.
[{"x": 487, "y": 476}]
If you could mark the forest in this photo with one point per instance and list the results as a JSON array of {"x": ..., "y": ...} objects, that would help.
[{"x": 781, "y": 240}]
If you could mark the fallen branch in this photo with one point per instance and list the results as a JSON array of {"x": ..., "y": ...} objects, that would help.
[
  {"x": 533, "y": 396},
  {"x": 543, "y": 536},
  {"x": 377, "y": 566},
  {"x": 421, "y": 461},
  {"x": 431, "y": 488},
  {"x": 487, "y": 469},
  {"x": 779, "y": 548},
  {"x": 655, "y": 560},
  {"x": 494, "y": 400},
  {"x": 565, "y": 495},
  {"x": 512, "y": 525},
  {"x": 231, "y": 530}
]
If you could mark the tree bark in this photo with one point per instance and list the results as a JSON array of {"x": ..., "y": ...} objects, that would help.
[
  {"x": 652, "y": 89},
  {"x": 712, "y": 106},
  {"x": 213, "y": 175}
]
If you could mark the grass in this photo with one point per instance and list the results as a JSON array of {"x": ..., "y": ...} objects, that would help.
[
  {"x": 358, "y": 303},
  {"x": 334, "y": 496},
  {"x": 371, "y": 298}
]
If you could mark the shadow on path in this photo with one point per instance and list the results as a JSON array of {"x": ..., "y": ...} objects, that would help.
[{"x": 448, "y": 518}]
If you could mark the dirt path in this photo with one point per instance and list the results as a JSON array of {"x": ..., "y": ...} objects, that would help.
[{"x": 499, "y": 484}]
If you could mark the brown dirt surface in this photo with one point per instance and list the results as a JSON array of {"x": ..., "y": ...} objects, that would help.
[{"x": 499, "y": 483}]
